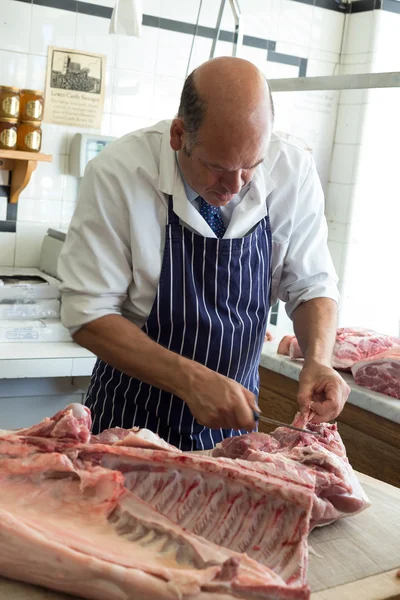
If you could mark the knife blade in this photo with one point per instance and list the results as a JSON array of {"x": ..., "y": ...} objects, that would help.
[{"x": 263, "y": 419}]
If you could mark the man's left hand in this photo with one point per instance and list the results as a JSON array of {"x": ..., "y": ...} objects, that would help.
[{"x": 322, "y": 390}]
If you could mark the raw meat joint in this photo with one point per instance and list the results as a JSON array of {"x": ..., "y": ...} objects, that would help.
[
  {"x": 380, "y": 372},
  {"x": 373, "y": 358},
  {"x": 125, "y": 516}
]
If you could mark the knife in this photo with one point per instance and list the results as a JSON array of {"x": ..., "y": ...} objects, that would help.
[{"x": 263, "y": 419}]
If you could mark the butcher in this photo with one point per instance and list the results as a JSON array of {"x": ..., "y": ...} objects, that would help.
[{"x": 184, "y": 234}]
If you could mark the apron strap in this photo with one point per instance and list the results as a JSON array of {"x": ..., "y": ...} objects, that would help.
[{"x": 173, "y": 219}]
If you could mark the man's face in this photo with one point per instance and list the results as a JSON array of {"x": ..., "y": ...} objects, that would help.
[{"x": 220, "y": 165}]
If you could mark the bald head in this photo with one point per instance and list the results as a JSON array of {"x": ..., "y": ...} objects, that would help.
[
  {"x": 232, "y": 83},
  {"x": 225, "y": 93},
  {"x": 223, "y": 128}
]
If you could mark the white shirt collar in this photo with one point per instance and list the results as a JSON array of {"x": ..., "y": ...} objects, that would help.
[
  {"x": 246, "y": 214},
  {"x": 191, "y": 194}
]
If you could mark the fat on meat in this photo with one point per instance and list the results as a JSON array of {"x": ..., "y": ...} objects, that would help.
[
  {"x": 263, "y": 510},
  {"x": 380, "y": 373},
  {"x": 135, "y": 437},
  {"x": 337, "y": 493},
  {"x": 82, "y": 532},
  {"x": 352, "y": 345}
]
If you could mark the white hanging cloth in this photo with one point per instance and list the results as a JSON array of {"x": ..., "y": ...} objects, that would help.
[{"x": 127, "y": 18}]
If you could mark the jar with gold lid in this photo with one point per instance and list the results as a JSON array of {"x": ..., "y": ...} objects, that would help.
[
  {"x": 9, "y": 102},
  {"x": 31, "y": 105},
  {"x": 8, "y": 133},
  {"x": 29, "y": 137}
]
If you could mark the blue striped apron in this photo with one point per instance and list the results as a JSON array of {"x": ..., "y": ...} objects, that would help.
[{"x": 211, "y": 306}]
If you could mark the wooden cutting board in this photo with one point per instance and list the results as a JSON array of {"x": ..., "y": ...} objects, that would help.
[
  {"x": 358, "y": 558},
  {"x": 354, "y": 559}
]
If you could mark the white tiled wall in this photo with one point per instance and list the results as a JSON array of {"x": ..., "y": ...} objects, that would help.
[
  {"x": 357, "y": 46},
  {"x": 144, "y": 80},
  {"x": 362, "y": 205},
  {"x": 308, "y": 32},
  {"x": 7, "y": 245}
]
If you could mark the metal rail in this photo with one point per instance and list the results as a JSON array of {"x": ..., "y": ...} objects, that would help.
[
  {"x": 217, "y": 28},
  {"x": 303, "y": 84},
  {"x": 238, "y": 39},
  {"x": 238, "y": 35},
  {"x": 336, "y": 82}
]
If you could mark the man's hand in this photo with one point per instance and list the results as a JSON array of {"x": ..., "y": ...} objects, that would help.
[
  {"x": 217, "y": 401},
  {"x": 322, "y": 390},
  {"x": 214, "y": 400}
]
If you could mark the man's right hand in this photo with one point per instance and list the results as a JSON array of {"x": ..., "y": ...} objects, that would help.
[
  {"x": 214, "y": 400},
  {"x": 217, "y": 401}
]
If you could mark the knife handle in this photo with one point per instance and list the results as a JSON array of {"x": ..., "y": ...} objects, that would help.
[{"x": 256, "y": 416}]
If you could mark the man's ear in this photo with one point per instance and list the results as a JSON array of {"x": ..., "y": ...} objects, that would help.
[{"x": 177, "y": 132}]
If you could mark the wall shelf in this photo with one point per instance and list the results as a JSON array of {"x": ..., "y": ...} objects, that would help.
[{"x": 22, "y": 165}]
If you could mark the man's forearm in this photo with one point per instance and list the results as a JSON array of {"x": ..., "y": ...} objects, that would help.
[
  {"x": 315, "y": 324},
  {"x": 126, "y": 347},
  {"x": 214, "y": 400}
]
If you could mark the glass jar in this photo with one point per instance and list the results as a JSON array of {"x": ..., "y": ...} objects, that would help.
[
  {"x": 29, "y": 136},
  {"x": 31, "y": 105},
  {"x": 8, "y": 133},
  {"x": 9, "y": 102}
]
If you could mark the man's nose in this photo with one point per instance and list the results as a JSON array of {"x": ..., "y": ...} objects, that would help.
[{"x": 233, "y": 181}]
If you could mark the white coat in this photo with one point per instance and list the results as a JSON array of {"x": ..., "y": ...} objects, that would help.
[{"x": 111, "y": 260}]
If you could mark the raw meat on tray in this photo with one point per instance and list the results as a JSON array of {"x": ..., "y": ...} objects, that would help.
[
  {"x": 380, "y": 373},
  {"x": 352, "y": 345}
]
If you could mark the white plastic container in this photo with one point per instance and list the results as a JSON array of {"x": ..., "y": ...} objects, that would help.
[
  {"x": 27, "y": 284},
  {"x": 29, "y": 309},
  {"x": 49, "y": 330}
]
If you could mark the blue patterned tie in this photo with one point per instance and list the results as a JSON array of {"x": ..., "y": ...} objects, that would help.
[{"x": 212, "y": 216}]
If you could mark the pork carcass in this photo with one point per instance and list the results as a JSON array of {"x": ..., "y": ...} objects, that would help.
[
  {"x": 352, "y": 344},
  {"x": 380, "y": 373},
  {"x": 337, "y": 490},
  {"x": 263, "y": 510},
  {"x": 81, "y": 531},
  {"x": 97, "y": 514}
]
